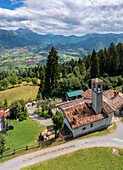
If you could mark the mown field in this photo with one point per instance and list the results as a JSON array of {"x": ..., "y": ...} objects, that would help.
[
  {"x": 23, "y": 92},
  {"x": 24, "y": 133},
  {"x": 84, "y": 159}
]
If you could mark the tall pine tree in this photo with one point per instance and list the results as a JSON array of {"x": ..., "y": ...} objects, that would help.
[
  {"x": 114, "y": 59},
  {"x": 52, "y": 72},
  {"x": 102, "y": 62},
  {"x": 94, "y": 65},
  {"x": 120, "y": 53}
]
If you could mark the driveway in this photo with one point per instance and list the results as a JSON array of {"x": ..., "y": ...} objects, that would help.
[
  {"x": 110, "y": 140},
  {"x": 37, "y": 118}
]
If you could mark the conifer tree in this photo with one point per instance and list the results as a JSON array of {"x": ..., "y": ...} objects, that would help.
[
  {"x": 114, "y": 58},
  {"x": 120, "y": 53},
  {"x": 52, "y": 72},
  {"x": 94, "y": 65},
  {"x": 102, "y": 62}
]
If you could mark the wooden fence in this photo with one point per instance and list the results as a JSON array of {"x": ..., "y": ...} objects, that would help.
[{"x": 14, "y": 151}]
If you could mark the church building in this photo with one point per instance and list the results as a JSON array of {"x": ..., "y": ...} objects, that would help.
[{"x": 90, "y": 113}]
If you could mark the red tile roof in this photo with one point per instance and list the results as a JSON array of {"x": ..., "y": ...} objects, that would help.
[
  {"x": 107, "y": 107},
  {"x": 87, "y": 94},
  {"x": 2, "y": 114},
  {"x": 109, "y": 93},
  {"x": 108, "y": 96},
  {"x": 110, "y": 103},
  {"x": 75, "y": 110},
  {"x": 116, "y": 100}
]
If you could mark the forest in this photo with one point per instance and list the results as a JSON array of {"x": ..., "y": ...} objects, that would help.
[{"x": 56, "y": 78}]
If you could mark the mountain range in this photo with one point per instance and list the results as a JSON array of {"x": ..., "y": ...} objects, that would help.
[{"x": 25, "y": 37}]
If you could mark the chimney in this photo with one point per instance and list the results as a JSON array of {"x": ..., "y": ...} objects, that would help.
[
  {"x": 74, "y": 120},
  {"x": 115, "y": 93}
]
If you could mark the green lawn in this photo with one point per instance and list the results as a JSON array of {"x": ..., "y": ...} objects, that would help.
[
  {"x": 23, "y": 92},
  {"x": 84, "y": 159},
  {"x": 24, "y": 133}
]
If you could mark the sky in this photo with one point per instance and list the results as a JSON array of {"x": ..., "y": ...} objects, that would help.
[{"x": 64, "y": 17}]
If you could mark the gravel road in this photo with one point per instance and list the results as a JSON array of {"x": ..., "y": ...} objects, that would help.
[
  {"x": 37, "y": 118},
  {"x": 115, "y": 140}
]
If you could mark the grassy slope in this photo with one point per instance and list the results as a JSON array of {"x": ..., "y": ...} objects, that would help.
[
  {"x": 90, "y": 158},
  {"x": 56, "y": 142},
  {"x": 24, "y": 133},
  {"x": 23, "y": 92}
]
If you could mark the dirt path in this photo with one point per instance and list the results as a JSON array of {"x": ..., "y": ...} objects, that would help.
[
  {"x": 114, "y": 140},
  {"x": 37, "y": 118}
]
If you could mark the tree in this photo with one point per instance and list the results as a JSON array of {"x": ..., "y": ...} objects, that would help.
[
  {"x": 94, "y": 65},
  {"x": 58, "y": 121},
  {"x": 2, "y": 143},
  {"x": 14, "y": 80},
  {"x": 52, "y": 72},
  {"x": 82, "y": 69},
  {"x": 35, "y": 81},
  {"x": 17, "y": 109},
  {"x": 120, "y": 53},
  {"x": 20, "y": 81},
  {"x": 114, "y": 59},
  {"x": 42, "y": 82},
  {"x": 76, "y": 71},
  {"x": 28, "y": 79},
  {"x": 5, "y": 103},
  {"x": 102, "y": 62},
  {"x": 5, "y": 82}
]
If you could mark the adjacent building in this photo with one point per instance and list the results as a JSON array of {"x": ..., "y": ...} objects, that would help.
[
  {"x": 115, "y": 98},
  {"x": 2, "y": 120}
]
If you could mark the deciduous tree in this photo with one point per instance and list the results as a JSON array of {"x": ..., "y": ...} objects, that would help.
[{"x": 58, "y": 121}]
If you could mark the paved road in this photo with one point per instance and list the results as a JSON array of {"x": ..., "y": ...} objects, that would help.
[
  {"x": 37, "y": 118},
  {"x": 114, "y": 140}
]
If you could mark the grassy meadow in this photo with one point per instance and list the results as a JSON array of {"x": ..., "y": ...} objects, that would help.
[
  {"x": 23, "y": 92},
  {"x": 24, "y": 133},
  {"x": 90, "y": 158}
]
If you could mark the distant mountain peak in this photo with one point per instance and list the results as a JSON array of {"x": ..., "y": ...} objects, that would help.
[{"x": 24, "y": 30}]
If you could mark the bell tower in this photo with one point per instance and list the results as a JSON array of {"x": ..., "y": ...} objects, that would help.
[{"x": 97, "y": 90}]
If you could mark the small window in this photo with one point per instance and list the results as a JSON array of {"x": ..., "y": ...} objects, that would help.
[
  {"x": 84, "y": 128},
  {"x": 91, "y": 125}
]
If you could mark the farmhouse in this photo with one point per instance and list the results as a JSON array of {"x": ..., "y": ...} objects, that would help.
[
  {"x": 116, "y": 100},
  {"x": 2, "y": 120},
  {"x": 89, "y": 113}
]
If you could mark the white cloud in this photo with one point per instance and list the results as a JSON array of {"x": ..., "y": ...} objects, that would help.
[{"x": 65, "y": 16}]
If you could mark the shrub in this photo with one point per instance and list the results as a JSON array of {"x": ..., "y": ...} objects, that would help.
[
  {"x": 35, "y": 81},
  {"x": 21, "y": 117},
  {"x": 28, "y": 79},
  {"x": 20, "y": 81}
]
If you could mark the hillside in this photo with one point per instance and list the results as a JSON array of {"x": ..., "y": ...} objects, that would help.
[
  {"x": 80, "y": 44},
  {"x": 18, "y": 93}
]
